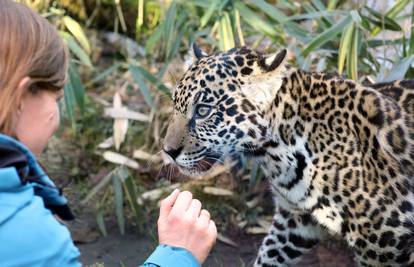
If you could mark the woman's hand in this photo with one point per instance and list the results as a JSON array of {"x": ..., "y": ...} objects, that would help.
[{"x": 182, "y": 223}]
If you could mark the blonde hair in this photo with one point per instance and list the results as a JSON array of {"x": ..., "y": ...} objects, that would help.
[{"x": 29, "y": 47}]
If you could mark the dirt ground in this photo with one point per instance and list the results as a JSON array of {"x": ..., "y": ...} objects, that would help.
[{"x": 131, "y": 249}]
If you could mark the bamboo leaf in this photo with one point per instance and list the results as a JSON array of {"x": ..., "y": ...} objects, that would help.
[
  {"x": 399, "y": 69},
  {"x": 229, "y": 30},
  {"x": 318, "y": 14},
  {"x": 238, "y": 27},
  {"x": 327, "y": 35},
  {"x": 120, "y": 15},
  {"x": 132, "y": 199},
  {"x": 77, "y": 86},
  {"x": 354, "y": 56},
  {"x": 76, "y": 30},
  {"x": 382, "y": 21},
  {"x": 153, "y": 39},
  {"x": 411, "y": 45},
  {"x": 332, "y": 4},
  {"x": 69, "y": 99},
  {"x": 154, "y": 80},
  {"x": 296, "y": 31},
  {"x": 136, "y": 74},
  {"x": 356, "y": 17},
  {"x": 119, "y": 203},
  {"x": 270, "y": 10},
  {"x": 140, "y": 16},
  {"x": 344, "y": 47},
  {"x": 101, "y": 223},
  {"x": 104, "y": 73},
  {"x": 254, "y": 20},
  {"x": 226, "y": 33},
  {"x": 392, "y": 13},
  {"x": 319, "y": 5},
  {"x": 97, "y": 188},
  {"x": 210, "y": 11},
  {"x": 169, "y": 27},
  {"x": 76, "y": 49}
]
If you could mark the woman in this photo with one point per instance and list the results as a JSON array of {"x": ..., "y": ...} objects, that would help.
[{"x": 33, "y": 66}]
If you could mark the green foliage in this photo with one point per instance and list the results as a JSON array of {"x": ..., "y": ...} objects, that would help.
[{"x": 326, "y": 41}]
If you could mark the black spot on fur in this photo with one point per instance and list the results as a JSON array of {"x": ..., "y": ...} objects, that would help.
[
  {"x": 407, "y": 84},
  {"x": 300, "y": 166},
  {"x": 239, "y": 60},
  {"x": 246, "y": 71},
  {"x": 301, "y": 242},
  {"x": 291, "y": 253}
]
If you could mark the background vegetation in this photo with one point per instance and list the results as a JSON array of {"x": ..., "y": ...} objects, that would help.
[{"x": 127, "y": 56}]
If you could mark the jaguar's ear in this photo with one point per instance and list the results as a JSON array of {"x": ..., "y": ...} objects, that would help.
[
  {"x": 272, "y": 62},
  {"x": 197, "y": 53},
  {"x": 266, "y": 78}
]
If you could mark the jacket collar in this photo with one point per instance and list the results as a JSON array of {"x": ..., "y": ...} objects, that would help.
[{"x": 14, "y": 155}]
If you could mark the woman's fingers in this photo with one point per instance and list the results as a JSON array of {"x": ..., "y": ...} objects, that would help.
[
  {"x": 204, "y": 218},
  {"x": 168, "y": 203},
  {"x": 194, "y": 209},
  {"x": 213, "y": 229},
  {"x": 182, "y": 203},
  {"x": 186, "y": 225}
]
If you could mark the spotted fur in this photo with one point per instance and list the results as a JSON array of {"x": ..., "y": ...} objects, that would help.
[{"x": 339, "y": 156}]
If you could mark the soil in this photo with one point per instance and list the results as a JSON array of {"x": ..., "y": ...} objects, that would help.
[{"x": 132, "y": 248}]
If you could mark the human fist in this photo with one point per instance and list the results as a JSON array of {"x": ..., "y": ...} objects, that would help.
[{"x": 182, "y": 223}]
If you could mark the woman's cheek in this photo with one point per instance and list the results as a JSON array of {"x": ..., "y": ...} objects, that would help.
[{"x": 54, "y": 120}]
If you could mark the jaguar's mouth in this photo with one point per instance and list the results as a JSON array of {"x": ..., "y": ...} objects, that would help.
[
  {"x": 205, "y": 164},
  {"x": 200, "y": 167}
]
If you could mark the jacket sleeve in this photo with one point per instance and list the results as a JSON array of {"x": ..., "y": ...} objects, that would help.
[{"x": 168, "y": 256}]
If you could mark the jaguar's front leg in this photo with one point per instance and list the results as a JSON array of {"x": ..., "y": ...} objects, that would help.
[{"x": 290, "y": 236}]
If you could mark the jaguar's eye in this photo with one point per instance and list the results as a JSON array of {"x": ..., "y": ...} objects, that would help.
[{"x": 202, "y": 111}]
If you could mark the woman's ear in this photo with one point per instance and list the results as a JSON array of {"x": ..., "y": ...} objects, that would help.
[{"x": 22, "y": 91}]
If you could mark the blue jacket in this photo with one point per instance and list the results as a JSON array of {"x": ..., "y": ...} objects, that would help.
[{"x": 29, "y": 233}]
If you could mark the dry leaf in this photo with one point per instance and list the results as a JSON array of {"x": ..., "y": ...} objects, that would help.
[
  {"x": 242, "y": 224},
  {"x": 226, "y": 240},
  {"x": 254, "y": 202},
  {"x": 256, "y": 230},
  {"x": 109, "y": 142},
  {"x": 156, "y": 193},
  {"x": 99, "y": 176},
  {"x": 125, "y": 113},
  {"x": 120, "y": 125},
  {"x": 217, "y": 170},
  {"x": 140, "y": 154},
  {"x": 217, "y": 191},
  {"x": 264, "y": 223},
  {"x": 120, "y": 159},
  {"x": 156, "y": 127}
]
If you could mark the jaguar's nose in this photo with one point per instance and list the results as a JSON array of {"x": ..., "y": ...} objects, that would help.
[{"x": 173, "y": 152}]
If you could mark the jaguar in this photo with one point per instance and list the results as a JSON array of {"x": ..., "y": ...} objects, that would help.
[{"x": 338, "y": 155}]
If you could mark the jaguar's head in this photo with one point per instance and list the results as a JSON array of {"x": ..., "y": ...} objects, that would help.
[{"x": 219, "y": 105}]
